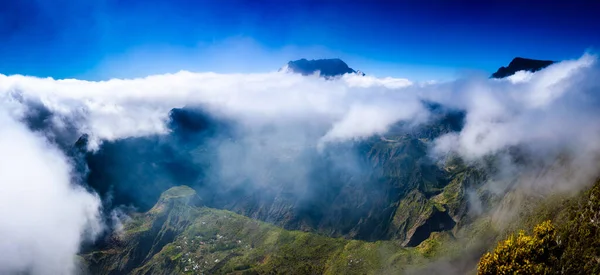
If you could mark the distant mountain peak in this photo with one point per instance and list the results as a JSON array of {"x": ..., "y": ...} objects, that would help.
[
  {"x": 325, "y": 67},
  {"x": 522, "y": 64}
]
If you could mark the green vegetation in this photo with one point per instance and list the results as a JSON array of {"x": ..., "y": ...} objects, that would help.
[
  {"x": 537, "y": 254},
  {"x": 580, "y": 235},
  {"x": 417, "y": 216},
  {"x": 569, "y": 245},
  {"x": 177, "y": 237}
]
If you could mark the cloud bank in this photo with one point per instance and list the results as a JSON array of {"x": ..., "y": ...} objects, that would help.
[
  {"x": 548, "y": 115},
  {"x": 353, "y": 106},
  {"x": 551, "y": 109},
  {"x": 552, "y": 106},
  {"x": 122, "y": 108}
]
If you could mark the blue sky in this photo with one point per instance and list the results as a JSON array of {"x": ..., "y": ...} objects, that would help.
[{"x": 100, "y": 39}]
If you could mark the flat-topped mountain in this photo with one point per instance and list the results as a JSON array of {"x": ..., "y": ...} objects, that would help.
[
  {"x": 522, "y": 64},
  {"x": 326, "y": 67}
]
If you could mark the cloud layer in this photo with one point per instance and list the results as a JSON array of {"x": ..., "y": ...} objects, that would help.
[
  {"x": 547, "y": 114},
  {"x": 499, "y": 111},
  {"x": 118, "y": 108}
]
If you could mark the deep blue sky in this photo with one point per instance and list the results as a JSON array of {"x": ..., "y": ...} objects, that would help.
[{"x": 99, "y": 39}]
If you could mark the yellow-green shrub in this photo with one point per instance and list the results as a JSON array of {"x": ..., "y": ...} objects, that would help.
[{"x": 524, "y": 254}]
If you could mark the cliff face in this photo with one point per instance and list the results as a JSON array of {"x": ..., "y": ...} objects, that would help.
[{"x": 522, "y": 64}]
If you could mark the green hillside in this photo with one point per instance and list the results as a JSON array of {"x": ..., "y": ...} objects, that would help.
[
  {"x": 560, "y": 236},
  {"x": 178, "y": 237}
]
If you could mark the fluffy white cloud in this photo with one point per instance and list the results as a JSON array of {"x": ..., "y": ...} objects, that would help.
[
  {"x": 43, "y": 216},
  {"x": 553, "y": 108},
  {"x": 128, "y": 108},
  {"x": 354, "y": 80}
]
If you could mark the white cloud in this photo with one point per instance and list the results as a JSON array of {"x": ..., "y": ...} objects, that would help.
[
  {"x": 128, "y": 108},
  {"x": 553, "y": 108},
  {"x": 365, "y": 120},
  {"x": 520, "y": 76},
  {"x": 43, "y": 217},
  {"x": 354, "y": 80}
]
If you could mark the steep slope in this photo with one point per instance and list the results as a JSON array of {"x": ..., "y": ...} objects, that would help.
[
  {"x": 178, "y": 237},
  {"x": 521, "y": 64},
  {"x": 146, "y": 234},
  {"x": 349, "y": 190},
  {"x": 565, "y": 239}
]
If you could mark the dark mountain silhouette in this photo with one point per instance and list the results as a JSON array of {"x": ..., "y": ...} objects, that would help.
[
  {"x": 326, "y": 67},
  {"x": 522, "y": 64}
]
